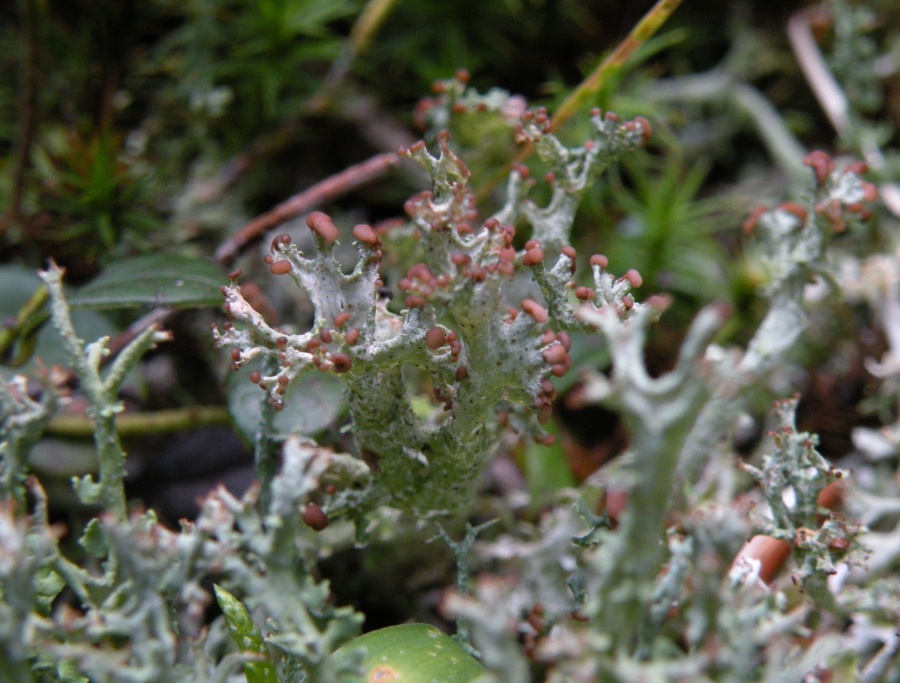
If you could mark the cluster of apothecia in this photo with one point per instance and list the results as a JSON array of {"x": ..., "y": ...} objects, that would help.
[
  {"x": 845, "y": 196},
  {"x": 463, "y": 262},
  {"x": 330, "y": 349}
]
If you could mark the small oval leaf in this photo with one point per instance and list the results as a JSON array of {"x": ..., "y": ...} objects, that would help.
[
  {"x": 412, "y": 653},
  {"x": 153, "y": 280},
  {"x": 247, "y": 636},
  {"x": 312, "y": 404}
]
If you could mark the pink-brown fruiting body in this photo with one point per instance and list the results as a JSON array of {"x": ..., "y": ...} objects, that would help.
[
  {"x": 555, "y": 353},
  {"x": 548, "y": 389},
  {"x": 352, "y": 336},
  {"x": 365, "y": 234},
  {"x": 794, "y": 209},
  {"x": 280, "y": 267},
  {"x": 535, "y": 310},
  {"x": 321, "y": 224},
  {"x": 771, "y": 554},
  {"x": 459, "y": 259},
  {"x": 832, "y": 210},
  {"x": 545, "y": 413},
  {"x": 821, "y": 164},
  {"x": 599, "y": 260},
  {"x": 870, "y": 192},
  {"x": 646, "y": 128},
  {"x": 533, "y": 257},
  {"x": 749, "y": 224},
  {"x": 342, "y": 362},
  {"x": 280, "y": 240},
  {"x": 341, "y": 319},
  {"x": 560, "y": 369},
  {"x": 413, "y": 301},
  {"x": 314, "y": 517},
  {"x": 507, "y": 255},
  {"x": 435, "y": 338},
  {"x": 660, "y": 302},
  {"x": 634, "y": 278}
]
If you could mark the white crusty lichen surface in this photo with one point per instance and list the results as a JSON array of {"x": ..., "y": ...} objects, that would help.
[{"x": 489, "y": 357}]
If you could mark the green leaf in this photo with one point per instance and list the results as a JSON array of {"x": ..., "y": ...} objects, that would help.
[
  {"x": 248, "y": 638},
  {"x": 312, "y": 403},
  {"x": 94, "y": 540},
  {"x": 47, "y": 585},
  {"x": 18, "y": 284},
  {"x": 153, "y": 280},
  {"x": 67, "y": 672},
  {"x": 416, "y": 653}
]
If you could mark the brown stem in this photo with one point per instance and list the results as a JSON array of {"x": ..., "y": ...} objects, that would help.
[{"x": 321, "y": 192}]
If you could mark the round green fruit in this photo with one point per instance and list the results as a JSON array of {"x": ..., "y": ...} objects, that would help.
[{"x": 413, "y": 653}]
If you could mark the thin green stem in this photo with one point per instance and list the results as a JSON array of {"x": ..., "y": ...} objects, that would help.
[
  {"x": 27, "y": 322},
  {"x": 142, "y": 424},
  {"x": 589, "y": 87},
  {"x": 103, "y": 395}
]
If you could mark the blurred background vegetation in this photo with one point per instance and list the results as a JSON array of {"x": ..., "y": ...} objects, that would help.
[{"x": 124, "y": 125}]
